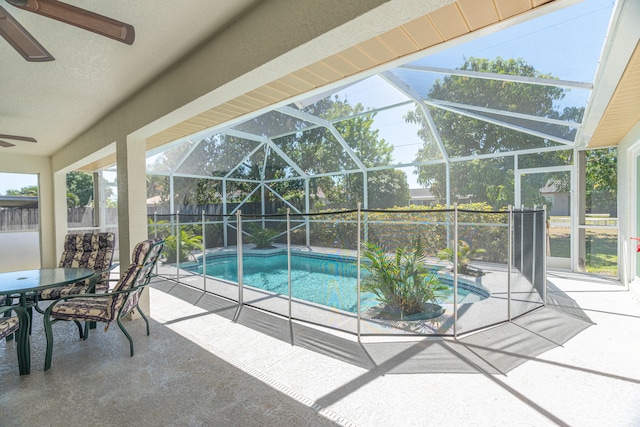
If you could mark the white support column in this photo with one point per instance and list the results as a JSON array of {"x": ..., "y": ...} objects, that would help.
[
  {"x": 101, "y": 195},
  {"x": 365, "y": 189},
  {"x": 575, "y": 214},
  {"x": 132, "y": 205},
  {"x": 60, "y": 217},
  {"x": 98, "y": 218},
  {"x": 262, "y": 203},
  {"x": 517, "y": 189},
  {"x": 307, "y": 206},
  {"x": 225, "y": 220},
  {"x": 448, "y": 184},
  {"x": 580, "y": 249}
]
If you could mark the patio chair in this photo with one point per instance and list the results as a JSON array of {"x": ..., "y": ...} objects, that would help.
[
  {"x": 87, "y": 250},
  {"x": 109, "y": 306},
  {"x": 8, "y": 300},
  {"x": 18, "y": 325}
]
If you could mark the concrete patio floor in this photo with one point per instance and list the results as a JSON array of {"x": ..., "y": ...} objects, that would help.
[{"x": 199, "y": 367}]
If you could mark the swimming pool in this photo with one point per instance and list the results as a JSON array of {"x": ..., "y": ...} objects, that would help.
[{"x": 322, "y": 279}]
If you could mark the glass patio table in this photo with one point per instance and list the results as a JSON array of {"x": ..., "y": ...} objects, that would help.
[{"x": 26, "y": 282}]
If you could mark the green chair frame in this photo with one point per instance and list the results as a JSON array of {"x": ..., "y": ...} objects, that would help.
[{"x": 22, "y": 335}]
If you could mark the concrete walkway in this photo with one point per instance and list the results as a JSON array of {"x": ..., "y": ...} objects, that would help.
[{"x": 593, "y": 379}]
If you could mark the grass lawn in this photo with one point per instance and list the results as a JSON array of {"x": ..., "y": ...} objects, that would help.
[{"x": 602, "y": 249}]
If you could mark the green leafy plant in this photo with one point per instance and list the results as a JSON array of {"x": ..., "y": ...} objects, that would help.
[
  {"x": 160, "y": 226},
  {"x": 465, "y": 255},
  {"x": 188, "y": 243},
  {"x": 403, "y": 282},
  {"x": 261, "y": 237}
]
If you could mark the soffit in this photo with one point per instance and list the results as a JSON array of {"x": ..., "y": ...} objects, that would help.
[
  {"x": 444, "y": 24},
  {"x": 623, "y": 111}
]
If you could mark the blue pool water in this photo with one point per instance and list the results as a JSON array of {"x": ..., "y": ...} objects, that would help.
[{"x": 325, "y": 280}]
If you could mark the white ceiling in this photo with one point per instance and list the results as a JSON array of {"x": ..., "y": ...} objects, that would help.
[{"x": 56, "y": 101}]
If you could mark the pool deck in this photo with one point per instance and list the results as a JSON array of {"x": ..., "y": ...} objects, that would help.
[{"x": 573, "y": 363}]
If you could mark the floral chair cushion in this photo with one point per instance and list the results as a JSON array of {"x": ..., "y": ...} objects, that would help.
[
  {"x": 92, "y": 309},
  {"x": 145, "y": 256},
  {"x": 107, "y": 308},
  {"x": 88, "y": 250},
  {"x": 18, "y": 325},
  {"x": 8, "y": 325}
]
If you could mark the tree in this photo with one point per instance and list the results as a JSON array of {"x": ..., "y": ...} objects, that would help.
[
  {"x": 314, "y": 149},
  {"x": 214, "y": 157},
  {"x": 79, "y": 189},
  {"x": 157, "y": 185},
  {"x": 490, "y": 180},
  {"x": 30, "y": 190},
  {"x": 317, "y": 151},
  {"x": 601, "y": 181},
  {"x": 387, "y": 188}
]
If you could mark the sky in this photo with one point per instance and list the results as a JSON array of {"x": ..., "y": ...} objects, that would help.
[
  {"x": 566, "y": 43},
  {"x": 16, "y": 181}
]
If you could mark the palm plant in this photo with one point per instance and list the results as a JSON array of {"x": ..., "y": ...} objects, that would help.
[
  {"x": 465, "y": 255},
  {"x": 160, "y": 226},
  {"x": 261, "y": 237},
  {"x": 188, "y": 243},
  {"x": 402, "y": 281}
]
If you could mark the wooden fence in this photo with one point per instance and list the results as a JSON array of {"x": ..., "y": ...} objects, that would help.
[
  {"x": 19, "y": 219},
  {"x": 12, "y": 219}
]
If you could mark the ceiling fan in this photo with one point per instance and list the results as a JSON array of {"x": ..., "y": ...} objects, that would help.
[
  {"x": 18, "y": 37},
  {"x": 14, "y": 137}
]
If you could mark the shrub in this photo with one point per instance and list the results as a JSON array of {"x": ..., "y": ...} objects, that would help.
[
  {"x": 391, "y": 228},
  {"x": 465, "y": 255},
  {"x": 188, "y": 243}
]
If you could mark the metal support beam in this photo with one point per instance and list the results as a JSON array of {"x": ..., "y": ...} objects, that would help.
[{"x": 501, "y": 77}]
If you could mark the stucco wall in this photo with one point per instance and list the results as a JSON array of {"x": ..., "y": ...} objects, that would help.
[
  {"x": 17, "y": 250},
  {"x": 628, "y": 201}
]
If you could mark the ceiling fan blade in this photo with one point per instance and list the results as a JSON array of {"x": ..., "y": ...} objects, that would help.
[
  {"x": 79, "y": 17},
  {"x": 18, "y": 138},
  {"x": 6, "y": 144},
  {"x": 18, "y": 37}
]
